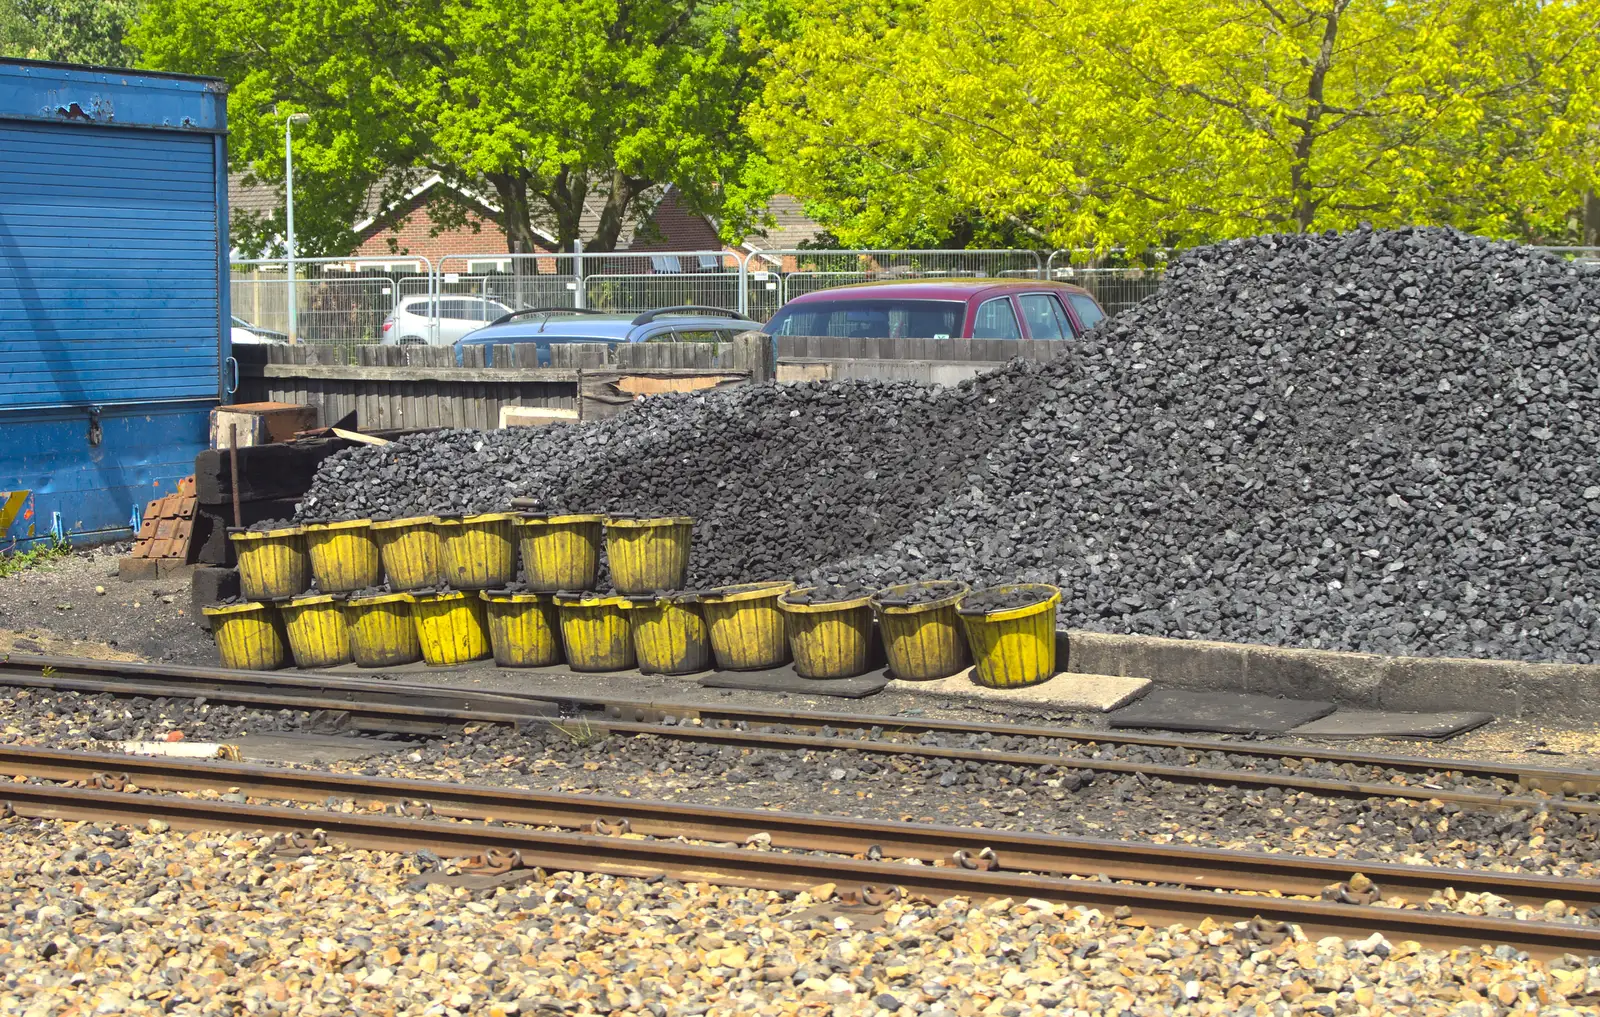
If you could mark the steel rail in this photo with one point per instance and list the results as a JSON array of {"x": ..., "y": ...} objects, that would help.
[
  {"x": 1183, "y": 865},
  {"x": 625, "y": 856},
  {"x": 383, "y": 705},
  {"x": 355, "y": 688}
]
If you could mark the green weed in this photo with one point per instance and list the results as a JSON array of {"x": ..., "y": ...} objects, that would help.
[
  {"x": 33, "y": 557},
  {"x": 583, "y": 733}
]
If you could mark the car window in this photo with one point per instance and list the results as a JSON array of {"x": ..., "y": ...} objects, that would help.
[
  {"x": 996, "y": 320},
  {"x": 1045, "y": 316},
  {"x": 692, "y": 335},
  {"x": 455, "y": 310},
  {"x": 417, "y": 305},
  {"x": 1089, "y": 312},
  {"x": 870, "y": 318}
]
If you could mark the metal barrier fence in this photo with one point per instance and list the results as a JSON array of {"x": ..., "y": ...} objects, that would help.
[
  {"x": 1116, "y": 280},
  {"x": 337, "y": 301},
  {"x": 407, "y": 300},
  {"x": 778, "y": 276}
]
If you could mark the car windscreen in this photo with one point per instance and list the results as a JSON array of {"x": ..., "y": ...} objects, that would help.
[{"x": 871, "y": 318}]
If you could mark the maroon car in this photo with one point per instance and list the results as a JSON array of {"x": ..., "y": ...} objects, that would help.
[{"x": 942, "y": 309}]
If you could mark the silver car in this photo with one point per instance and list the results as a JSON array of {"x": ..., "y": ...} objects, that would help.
[{"x": 412, "y": 323}]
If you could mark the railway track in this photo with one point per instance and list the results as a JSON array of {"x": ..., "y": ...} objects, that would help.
[
  {"x": 408, "y": 708},
  {"x": 1158, "y": 883}
]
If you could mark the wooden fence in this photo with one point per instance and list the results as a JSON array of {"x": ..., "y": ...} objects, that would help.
[
  {"x": 932, "y": 361},
  {"x": 423, "y": 386}
]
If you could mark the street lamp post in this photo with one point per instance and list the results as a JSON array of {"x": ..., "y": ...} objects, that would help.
[{"x": 288, "y": 213}]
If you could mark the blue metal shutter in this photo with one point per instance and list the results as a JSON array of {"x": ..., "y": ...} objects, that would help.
[{"x": 108, "y": 266}]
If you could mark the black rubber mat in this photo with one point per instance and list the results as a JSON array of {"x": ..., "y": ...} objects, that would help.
[
  {"x": 784, "y": 679},
  {"x": 1222, "y": 712},
  {"x": 1384, "y": 724}
]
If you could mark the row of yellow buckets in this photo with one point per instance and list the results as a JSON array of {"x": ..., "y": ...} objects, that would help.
[
  {"x": 477, "y": 552},
  {"x": 753, "y": 626}
]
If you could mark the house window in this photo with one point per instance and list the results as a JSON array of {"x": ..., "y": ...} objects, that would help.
[
  {"x": 666, "y": 263},
  {"x": 488, "y": 267},
  {"x": 710, "y": 262}
]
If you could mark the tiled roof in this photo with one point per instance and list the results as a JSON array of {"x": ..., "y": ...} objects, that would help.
[
  {"x": 248, "y": 194},
  {"x": 792, "y": 226},
  {"x": 671, "y": 225}
]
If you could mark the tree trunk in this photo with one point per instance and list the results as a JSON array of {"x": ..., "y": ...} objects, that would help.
[
  {"x": 614, "y": 215},
  {"x": 1591, "y": 219},
  {"x": 1305, "y": 205}
]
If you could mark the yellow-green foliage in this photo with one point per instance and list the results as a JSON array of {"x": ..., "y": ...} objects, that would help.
[{"x": 1098, "y": 124}]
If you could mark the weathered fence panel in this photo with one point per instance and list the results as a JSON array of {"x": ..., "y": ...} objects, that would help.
[
  {"x": 931, "y": 361},
  {"x": 424, "y": 386}
]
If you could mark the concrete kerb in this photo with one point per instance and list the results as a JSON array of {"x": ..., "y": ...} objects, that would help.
[{"x": 1508, "y": 689}]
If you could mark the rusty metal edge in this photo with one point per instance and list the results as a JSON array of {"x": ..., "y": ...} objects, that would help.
[
  {"x": 1016, "y": 850},
  {"x": 562, "y": 851}
]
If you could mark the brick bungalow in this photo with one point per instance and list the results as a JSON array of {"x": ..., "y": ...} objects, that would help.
[{"x": 407, "y": 228}]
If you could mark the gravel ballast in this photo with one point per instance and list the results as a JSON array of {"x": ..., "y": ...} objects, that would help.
[
  {"x": 1381, "y": 441},
  {"x": 107, "y": 919}
]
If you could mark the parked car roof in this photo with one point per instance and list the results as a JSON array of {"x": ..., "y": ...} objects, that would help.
[
  {"x": 578, "y": 324},
  {"x": 937, "y": 289}
]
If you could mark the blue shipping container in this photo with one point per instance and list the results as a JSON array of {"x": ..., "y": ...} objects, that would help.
[{"x": 113, "y": 295}]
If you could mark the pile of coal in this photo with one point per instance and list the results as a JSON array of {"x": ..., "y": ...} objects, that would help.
[{"x": 1382, "y": 441}]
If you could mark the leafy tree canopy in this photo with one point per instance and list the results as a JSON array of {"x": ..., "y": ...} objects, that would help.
[
  {"x": 1088, "y": 124},
  {"x": 70, "y": 31},
  {"x": 529, "y": 108}
]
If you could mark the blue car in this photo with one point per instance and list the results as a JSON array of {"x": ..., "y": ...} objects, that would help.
[{"x": 548, "y": 326}]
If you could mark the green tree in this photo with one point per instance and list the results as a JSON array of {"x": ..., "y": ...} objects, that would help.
[
  {"x": 536, "y": 107},
  {"x": 1160, "y": 121},
  {"x": 71, "y": 31}
]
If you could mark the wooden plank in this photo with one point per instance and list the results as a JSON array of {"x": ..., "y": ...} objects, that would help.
[{"x": 290, "y": 372}]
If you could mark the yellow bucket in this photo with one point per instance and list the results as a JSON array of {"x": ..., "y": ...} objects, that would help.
[
  {"x": 382, "y": 633},
  {"x": 272, "y": 563},
  {"x": 647, "y": 555},
  {"x": 1017, "y": 646},
  {"x": 319, "y": 635},
  {"x": 250, "y": 637},
  {"x": 560, "y": 552},
  {"x": 748, "y": 632},
  {"x": 344, "y": 556},
  {"x": 596, "y": 633},
  {"x": 670, "y": 635},
  {"x": 480, "y": 552},
  {"x": 450, "y": 627},
  {"x": 413, "y": 556},
  {"x": 924, "y": 641},
  {"x": 829, "y": 640},
  {"x": 523, "y": 629}
]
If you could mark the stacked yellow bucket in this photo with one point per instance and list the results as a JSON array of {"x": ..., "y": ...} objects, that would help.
[
  {"x": 1012, "y": 632},
  {"x": 748, "y": 632},
  {"x": 830, "y": 631},
  {"x": 921, "y": 631}
]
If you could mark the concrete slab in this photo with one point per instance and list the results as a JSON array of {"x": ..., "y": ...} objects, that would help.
[
  {"x": 1513, "y": 689},
  {"x": 1344, "y": 723},
  {"x": 786, "y": 679},
  {"x": 295, "y": 747},
  {"x": 1222, "y": 712},
  {"x": 1079, "y": 693}
]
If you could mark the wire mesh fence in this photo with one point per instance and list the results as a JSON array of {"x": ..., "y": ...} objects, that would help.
[
  {"x": 778, "y": 276},
  {"x": 1116, "y": 280},
  {"x": 352, "y": 302},
  {"x": 336, "y": 301}
]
